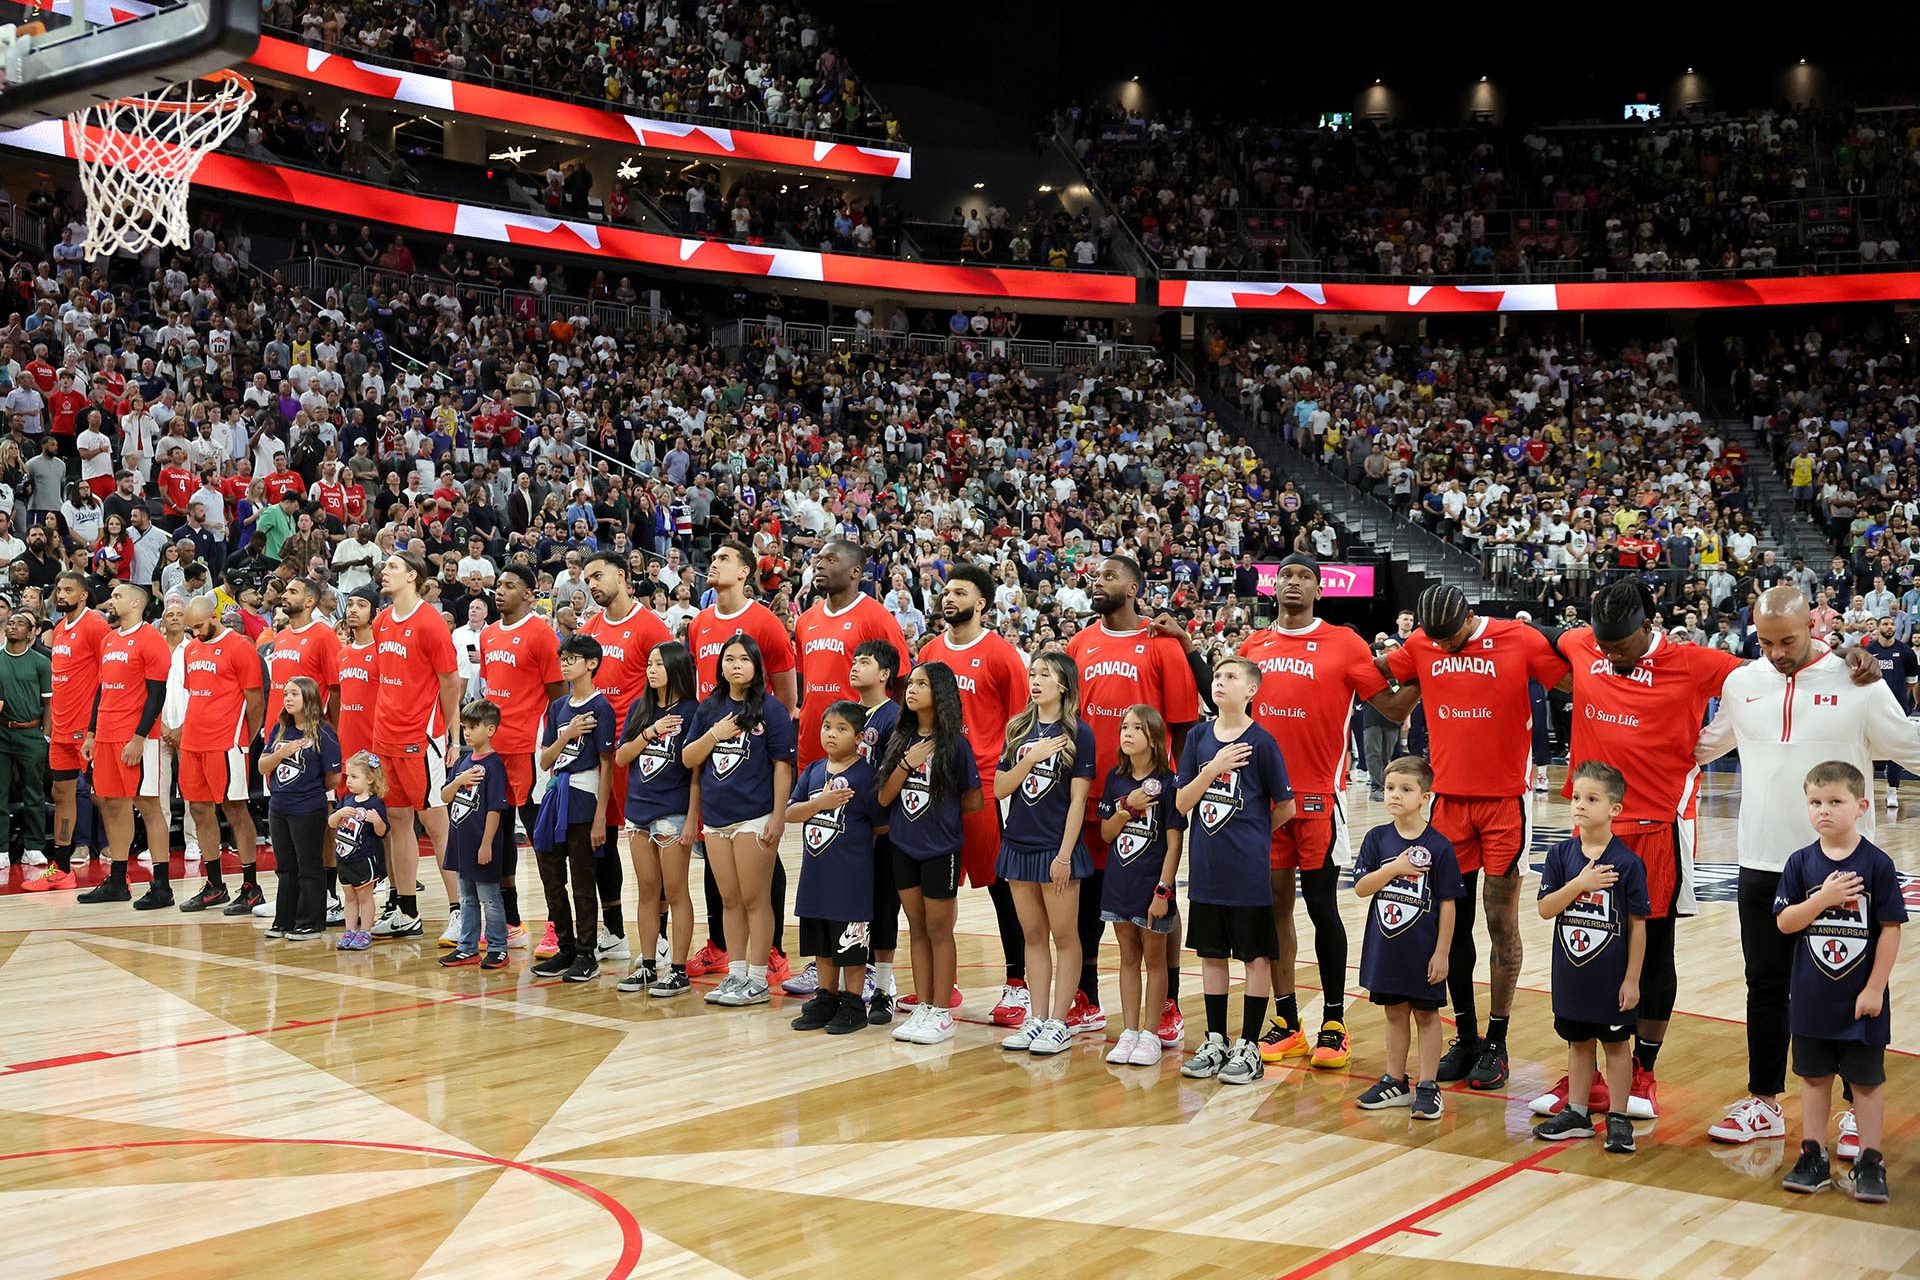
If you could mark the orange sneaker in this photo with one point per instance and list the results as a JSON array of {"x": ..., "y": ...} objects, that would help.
[
  {"x": 549, "y": 943},
  {"x": 1333, "y": 1050},
  {"x": 55, "y": 878},
  {"x": 1282, "y": 1042},
  {"x": 778, "y": 970},
  {"x": 708, "y": 960}
]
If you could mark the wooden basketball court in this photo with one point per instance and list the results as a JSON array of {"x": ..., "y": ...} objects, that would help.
[{"x": 182, "y": 1098}]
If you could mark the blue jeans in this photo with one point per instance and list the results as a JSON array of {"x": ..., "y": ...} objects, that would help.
[{"x": 475, "y": 894}]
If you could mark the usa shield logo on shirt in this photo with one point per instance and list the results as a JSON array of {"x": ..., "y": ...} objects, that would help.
[
  {"x": 728, "y": 756},
  {"x": 653, "y": 760},
  {"x": 1040, "y": 781},
  {"x": 1134, "y": 838},
  {"x": 1400, "y": 903},
  {"x": 1221, "y": 801},
  {"x": 287, "y": 773},
  {"x": 822, "y": 828},
  {"x": 1586, "y": 926},
  {"x": 464, "y": 804},
  {"x": 915, "y": 797},
  {"x": 1837, "y": 939}
]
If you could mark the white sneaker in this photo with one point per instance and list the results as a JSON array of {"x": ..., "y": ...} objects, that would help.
[
  {"x": 1243, "y": 1065},
  {"x": 908, "y": 1032},
  {"x": 1146, "y": 1051},
  {"x": 35, "y": 858},
  {"x": 1208, "y": 1059},
  {"x": 1540, "y": 779},
  {"x": 1052, "y": 1037},
  {"x": 663, "y": 956},
  {"x": 1848, "y": 1148},
  {"x": 191, "y": 853},
  {"x": 145, "y": 856},
  {"x": 336, "y": 910},
  {"x": 1749, "y": 1120},
  {"x": 517, "y": 937},
  {"x": 264, "y": 911},
  {"x": 398, "y": 924},
  {"x": 1022, "y": 1038},
  {"x": 450, "y": 936},
  {"x": 612, "y": 947},
  {"x": 727, "y": 984},
  {"x": 745, "y": 991},
  {"x": 1893, "y": 797},
  {"x": 1122, "y": 1052},
  {"x": 936, "y": 1028},
  {"x": 381, "y": 887}
]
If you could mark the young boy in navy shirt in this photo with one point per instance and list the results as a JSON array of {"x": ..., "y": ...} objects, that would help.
[
  {"x": 576, "y": 750},
  {"x": 1235, "y": 793},
  {"x": 872, "y": 676},
  {"x": 1413, "y": 876},
  {"x": 1841, "y": 896},
  {"x": 834, "y": 803},
  {"x": 476, "y": 796},
  {"x": 1595, "y": 889}
]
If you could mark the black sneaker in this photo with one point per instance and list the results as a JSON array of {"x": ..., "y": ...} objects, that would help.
[
  {"x": 1619, "y": 1134},
  {"x": 1869, "y": 1183},
  {"x": 584, "y": 968},
  {"x": 1564, "y": 1124},
  {"x": 107, "y": 891},
  {"x": 302, "y": 933},
  {"x": 817, "y": 1012},
  {"x": 1490, "y": 1072},
  {"x": 557, "y": 965},
  {"x": 639, "y": 978},
  {"x": 1387, "y": 1091},
  {"x": 459, "y": 958},
  {"x": 674, "y": 982},
  {"x": 1458, "y": 1061},
  {"x": 880, "y": 1009},
  {"x": 1426, "y": 1101},
  {"x": 850, "y": 1017},
  {"x": 154, "y": 899},
  {"x": 494, "y": 960},
  {"x": 210, "y": 895},
  {"x": 1812, "y": 1173},
  {"x": 245, "y": 901}
]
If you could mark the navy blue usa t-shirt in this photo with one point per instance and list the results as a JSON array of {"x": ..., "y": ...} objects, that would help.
[
  {"x": 1136, "y": 855},
  {"x": 658, "y": 784},
  {"x": 356, "y": 839},
  {"x": 881, "y": 717},
  {"x": 1403, "y": 928},
  {"x": 921, "y": 827},
  {"x": 1034, "y": 818},
  {"x": 467, "y": 816},
  {"x": 300, "y": 781},
  {"x": 1590, "y": 936},
  {"x": 836, "y": 845},
  {"x": 736, "y": 782},
  {"x": 1230, "y": 831},
  {"x": 578, "y": 764},
  {"x": 1835, "y": 953}
]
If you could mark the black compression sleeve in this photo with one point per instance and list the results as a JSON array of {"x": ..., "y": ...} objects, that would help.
[{"x": 156, "y": 699}]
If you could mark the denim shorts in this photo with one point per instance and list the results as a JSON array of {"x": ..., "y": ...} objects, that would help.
[
  {"x": 1163, "y": 925},
  {"x": 661, "y": 828},
  {"x": 755, "y": 827}
]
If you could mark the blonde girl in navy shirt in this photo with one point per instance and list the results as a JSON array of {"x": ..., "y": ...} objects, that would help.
[
  {"x": 1144, "y": 828},
  {"x": 660, "y": 794},
  {"x": 1046, "y": 770}
]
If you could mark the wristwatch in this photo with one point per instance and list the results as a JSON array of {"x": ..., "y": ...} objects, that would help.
[{"x": 1162, "y": 891}]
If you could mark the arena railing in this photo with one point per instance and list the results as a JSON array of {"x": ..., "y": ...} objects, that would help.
[
  {"x": 1035, "y": 353},
  {"x": 1556, "y": 271}
]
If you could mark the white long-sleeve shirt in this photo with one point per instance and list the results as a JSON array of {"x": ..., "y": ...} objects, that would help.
[{"x": 1785, "y": 725}]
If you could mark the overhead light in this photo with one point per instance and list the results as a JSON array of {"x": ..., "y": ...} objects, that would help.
[
  {"x": 1689, "y": 70},
  {"x": 1483, "y": 79},
  {"x": 627, "y": 171},
  {"x": 979, "y": 186},
  {"x": 1136, "y": 79},
  {"x": 512, "y": 155},
  {"x": 1803, "y": 62},
  {"x": 1045, "y": 187},
  {"x": 1376, "y": 79}
]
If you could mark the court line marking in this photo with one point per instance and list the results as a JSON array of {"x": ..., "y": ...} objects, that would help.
[{"x": 631, "y": 1238}]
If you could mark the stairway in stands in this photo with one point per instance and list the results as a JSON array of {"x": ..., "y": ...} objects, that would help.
[{"x": 1771, "y": 501}]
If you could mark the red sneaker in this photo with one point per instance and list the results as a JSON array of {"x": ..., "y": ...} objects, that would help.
[
  {"x": 55, "y": 878},
  {"x": 1015, "y": 1004},
  {"x": 1173, "y": 1026},
  {"x": 911, "y": 1002},
  {"x": 1084, "y": 1015},
  {"x": 1643, "y": 1100},
  {"x": 1599, "y": 1100},
  {"x": 709, "y": 959},
  {"x": 778, "y": 970}
]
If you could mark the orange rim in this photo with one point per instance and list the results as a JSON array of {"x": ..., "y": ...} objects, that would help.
[{"x": 242, "y": 99}]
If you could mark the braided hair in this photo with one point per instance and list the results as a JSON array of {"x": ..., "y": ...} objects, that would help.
[
  {"x": 1617, "y": 602},
  {"x": 1437, "y": 604}
]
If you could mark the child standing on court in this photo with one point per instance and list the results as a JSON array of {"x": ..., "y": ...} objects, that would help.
[
  {"x": 1595, "y": 889},
  {"x": 301, "y": 763},
  {"x": 576, "y": 750},
  {"x": 1235, "y": 793},
  {"x": 359, "y": 825},
  {"x": 835, "y": 804},
  {"x": 660, "y": 795},
  {"x": 1143, "y": 828},
  {"x": 1411, "y": 873},
  {"x": 1841, "y": 896},
  {"x": 875, "y": 663},
  {"x": 476, "y": 797}
]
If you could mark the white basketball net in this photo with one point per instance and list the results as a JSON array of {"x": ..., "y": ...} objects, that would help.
[{"x": 138, "y": 156}]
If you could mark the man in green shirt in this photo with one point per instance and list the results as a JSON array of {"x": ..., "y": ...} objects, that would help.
[
  {"x": 276, "y": 524},
  {"x": 26, "y": 683}
]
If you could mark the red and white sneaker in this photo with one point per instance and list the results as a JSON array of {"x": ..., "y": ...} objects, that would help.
[
  {"x": 54, "y": 878},
  {"x": 1016, "y": 1002},
  {"x": 1173, "y": 1026},
  {"x": 1643, "y": 1100},
  {"x": 1749, "y": 1120},
  {"x": 708, "y": 960},
  {"x": 549, "y": 943},
  {"x": 1084, "y": 1015},
  {"x": 1599, "y": 1100},
  {"x": 1848, "y": 1148},
  {"x": 910, "y": 1002},
  {"x": 778, "y": 970}
]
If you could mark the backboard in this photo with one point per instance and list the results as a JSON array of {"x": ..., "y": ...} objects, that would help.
[{"x": 93, "y": 50}]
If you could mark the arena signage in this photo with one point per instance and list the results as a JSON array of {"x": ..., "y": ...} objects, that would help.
[{"x": 1337, "y": 581}]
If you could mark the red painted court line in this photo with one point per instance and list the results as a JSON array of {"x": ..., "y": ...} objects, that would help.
[{"x": 1410, "y": 1222}]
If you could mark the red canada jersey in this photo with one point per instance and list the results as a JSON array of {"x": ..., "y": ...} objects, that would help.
[
  {"x": 410, "y": 656},
  {"x": 312, "y": 651},
  {"x": 993, "y": 690},
  {"x": 1644, "y": 724},
  {"x": 281, "y": 483},
  {"x": 128, "y": 659},
  {"x": 709, "y": 630},
  {"x": 218, "y": 674},
  {"x": 76, "y": 672},
  {"x": 1119, "y": 669},
  {"x": 826, "y": 641},
  {"x": 1479, "y": 713},
  {"x": 176, "y": 486},
  {"x": 624, "y": 649},
  {"x": 332, "y": 498},
  {"x": 517, "y": 664},
  {"x": 354, "y": 503},
  {"x": 1308, "y": 681},
  {"x": 359, "y": 689}
]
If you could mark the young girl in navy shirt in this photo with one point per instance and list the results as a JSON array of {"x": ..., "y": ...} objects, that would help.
[
  {"x": 927, "y": 781},
  {"x": 359, "y": 825},
  {"x": 1143, "y": 828},
  {"x": 873, "y": 676},
  {"x": 1046, "y": 770},
  {"x": 301, "y": 763},
  {"x": 835, "y": 804},
  {"x": 476, "y": 796},
  {"x": 576, "y": 750},
  {"x": 742, "y": 746},
  {"x": 660, "y": 795}
]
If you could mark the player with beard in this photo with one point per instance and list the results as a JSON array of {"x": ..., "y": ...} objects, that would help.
[
  {"x": 1124, "y": 659},
  {"x": 126, "y": 752},
  {"x": 221, "y": 677},
  {"x": 627, "y": 631},
  {"x": 359, "y": 684},
  {"x": 732, "y": 612},
  {"x": 520, "y": 675},
  {"x": 840, "y": 621},
  {"x": 993, "y": 689},
  {"x": 75, "y": 642},
  {"x": 1310, "y": 673}
]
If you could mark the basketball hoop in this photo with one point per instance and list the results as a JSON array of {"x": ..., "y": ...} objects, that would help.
[{"x": 138, "y": 155}]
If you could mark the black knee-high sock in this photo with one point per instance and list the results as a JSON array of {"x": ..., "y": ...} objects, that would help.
[
  {"x": 1320, "y": 889},
  {"x": 1646, "y": 1052},
  {"x": 1216, "y": 1013},
  {"x": 1091, "y": 928},
  {"x": 249, "y": 872},
  {"x": 716, "y": 910},
  {"x": 610, "y": 880},
  {"x": 117, "y": 874},
  {"x": 1461, "y": 957},
  {"x": 1253, "y": 1016},
  {"x": 1173, "y": 961},
  {"x": 1287, "y": 1009},
  {"x": 333, "y": 879},
  {"x": 510, "y": 900},
  {"x": 1013, "y": 943},
  {"x": 161, "y": 873},
  {"x": 1497, "y": 1029},
  {"x": 779, "y": 890},
  {"x": 63, "y": 857}
]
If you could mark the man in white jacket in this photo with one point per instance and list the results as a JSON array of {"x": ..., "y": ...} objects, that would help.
[{"x": 1792, "y": 710}]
